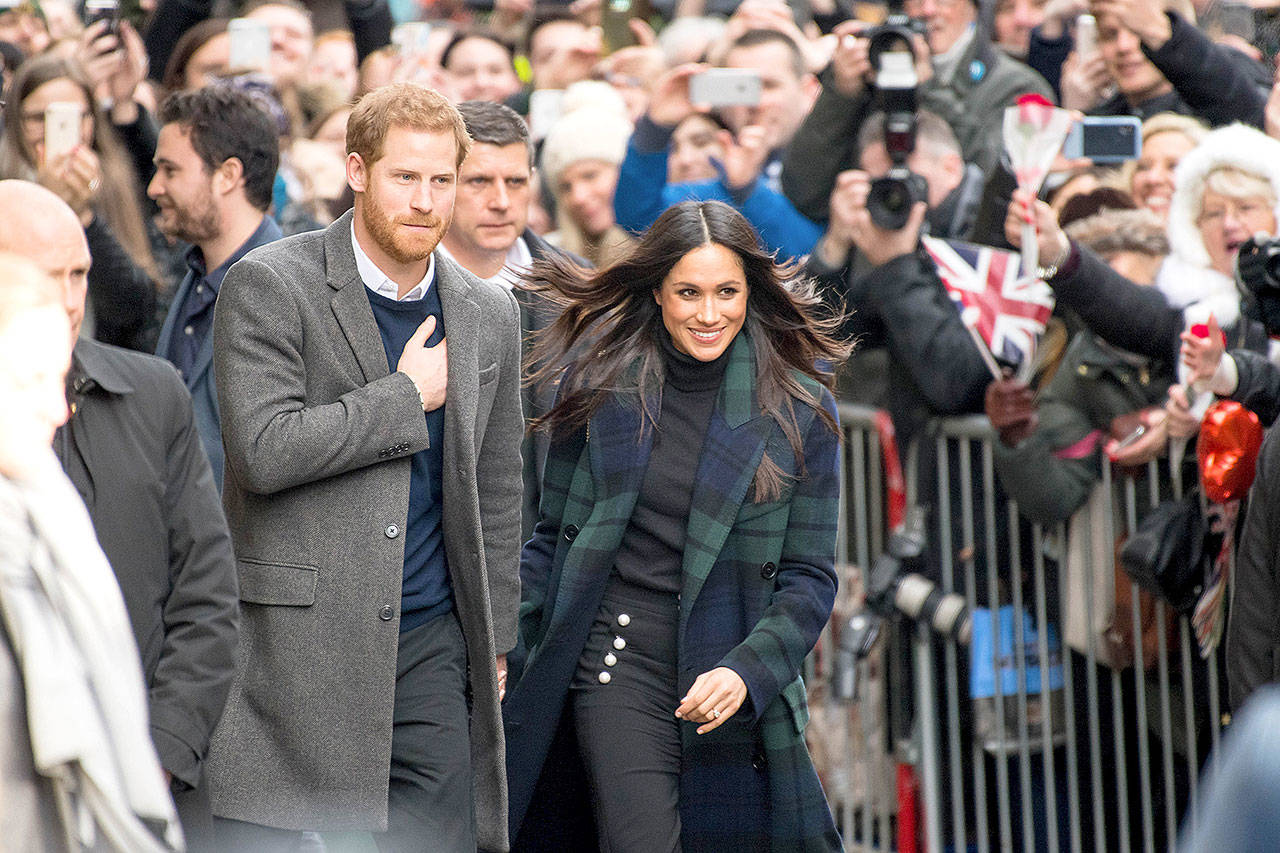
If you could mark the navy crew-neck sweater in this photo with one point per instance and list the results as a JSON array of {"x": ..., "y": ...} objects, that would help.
[{"x": 426, "y": 592}]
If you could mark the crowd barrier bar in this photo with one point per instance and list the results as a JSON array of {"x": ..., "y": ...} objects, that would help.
[{"x": 1109, "y": 760}]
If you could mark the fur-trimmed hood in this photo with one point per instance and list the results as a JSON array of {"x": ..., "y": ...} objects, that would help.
[
  {"x": 1186, "y": 276},
  {"x": 1236, "y": 145}
]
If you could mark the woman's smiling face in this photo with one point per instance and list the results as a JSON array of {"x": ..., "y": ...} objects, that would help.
[{"x": 703, "y": 301}]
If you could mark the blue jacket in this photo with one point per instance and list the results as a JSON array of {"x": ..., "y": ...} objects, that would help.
[
  {"x": 204, "y": 396},
  {"x": 643, "y": 194}
]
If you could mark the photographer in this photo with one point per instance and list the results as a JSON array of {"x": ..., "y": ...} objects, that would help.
[
  {"x": 895, "y": 300},
  {"x": 961, "y": 77}
]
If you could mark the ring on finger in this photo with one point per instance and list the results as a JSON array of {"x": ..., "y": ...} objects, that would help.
[{"x": 715, "y": 713}]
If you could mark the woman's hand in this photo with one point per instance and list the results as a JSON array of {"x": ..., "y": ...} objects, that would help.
[
  {"x": 75, "y": 177},
  {"x": 1202, "y": 355},
  {"x": 745, "y": 157},
  {"x": 1085, "y": 81},
  {"x": 1177, "y": 409},
  {"x": 714, "y": 697},
  {"x": 1053, "y": 242},
  {"x": 1143, "y": 444},
  {"x": 669, "y": 102}
]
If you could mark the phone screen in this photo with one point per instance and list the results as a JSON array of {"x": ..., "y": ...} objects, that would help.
[
  {"x": 249, "y": 45},
  {"x": 1110, "y": 142}
]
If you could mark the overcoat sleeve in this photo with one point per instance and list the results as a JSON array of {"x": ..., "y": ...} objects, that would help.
[
  {"x": 201, "y": 614},
  {"x": 771, "y": 655},
  {"x": 274, "y": 438}
]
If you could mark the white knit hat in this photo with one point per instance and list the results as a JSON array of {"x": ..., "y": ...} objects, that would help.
[
  {"x": 1237, "y": 146},
  {"x": 593, "y": 126}
]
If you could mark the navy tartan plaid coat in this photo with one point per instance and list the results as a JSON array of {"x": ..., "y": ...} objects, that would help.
[{"x": 759, "y": 583}]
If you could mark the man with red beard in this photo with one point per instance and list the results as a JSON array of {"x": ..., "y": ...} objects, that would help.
[
  {"x": 215, "y": 160},
  {"x": 373, "y": 492}
]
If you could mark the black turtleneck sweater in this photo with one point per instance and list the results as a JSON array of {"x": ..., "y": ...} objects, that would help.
[{"x": 652, "y": 548}]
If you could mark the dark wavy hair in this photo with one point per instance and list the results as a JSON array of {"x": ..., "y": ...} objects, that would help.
[{"x": 606, "y": 333}]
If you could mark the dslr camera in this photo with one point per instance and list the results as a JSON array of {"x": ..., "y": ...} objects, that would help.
[
  {"x": 1258, "y": 279},
  {"x": 892, "y": 55}
]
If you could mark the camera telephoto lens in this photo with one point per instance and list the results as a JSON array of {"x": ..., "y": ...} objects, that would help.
[{"x": 890, "y": 199}]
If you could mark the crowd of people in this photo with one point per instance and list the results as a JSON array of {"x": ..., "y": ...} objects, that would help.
[{"x": 420, "y": 421}]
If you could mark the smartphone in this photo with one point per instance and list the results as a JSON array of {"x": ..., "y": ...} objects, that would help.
[
  {"x": 411, "y": 37},
  {"x": 103, "y": 10},
  {"x": 545, "y": 109},
  {"x": 1086, "y": 35},
  {"x": 725, "y": 87},
  {"x": 61, "y": 128},
  {"x": 1104, "y": 139},
  {"x": 250, "y": 45},
  {"x": 615, "y": 21}
]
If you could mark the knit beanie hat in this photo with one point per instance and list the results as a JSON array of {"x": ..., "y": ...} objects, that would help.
[{"x": 592, "y": 126}]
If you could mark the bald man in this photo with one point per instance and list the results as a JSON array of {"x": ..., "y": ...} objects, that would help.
[
  {"x": 133, "y": 453},
  {"x": 49, "y": 562}
]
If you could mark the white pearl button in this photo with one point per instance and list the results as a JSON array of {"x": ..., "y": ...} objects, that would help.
[
  {"x": 610, "y": 659},
  {"x": 624, "y": 620},
  {"x": 619, "y": 643},
  {"x": 604, "y": 677}
]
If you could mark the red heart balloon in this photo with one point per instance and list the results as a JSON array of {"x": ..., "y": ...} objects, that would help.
[{"x": 1228, "y": 444}]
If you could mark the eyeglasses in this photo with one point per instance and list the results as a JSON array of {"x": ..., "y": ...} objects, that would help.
[{"x": 1239, "y": 209}]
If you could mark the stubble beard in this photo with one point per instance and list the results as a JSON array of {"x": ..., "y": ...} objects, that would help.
[
  {"x": 402, "y": 247},
  {"x": 195, "y": 227}
]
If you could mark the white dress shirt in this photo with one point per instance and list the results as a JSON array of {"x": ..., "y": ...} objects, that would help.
[
  {"x": 377, "y": 281},
  {"x": 513, "y": 268}
]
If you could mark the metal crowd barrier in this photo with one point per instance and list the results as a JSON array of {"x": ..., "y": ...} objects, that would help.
[{"x": 1067, "y": 753}]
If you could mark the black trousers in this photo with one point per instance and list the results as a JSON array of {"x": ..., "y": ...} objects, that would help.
[
  {"x": 627, "y": 732},
  {"x": 430, "y": 804}
]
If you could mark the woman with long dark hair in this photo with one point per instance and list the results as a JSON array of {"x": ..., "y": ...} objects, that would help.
[
  {"x": 684, "y": 562},
  {"x": 96, "y": 180}
]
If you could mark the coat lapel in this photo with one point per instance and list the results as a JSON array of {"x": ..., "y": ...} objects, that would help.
[
  {"x": 461, "y": 329},
  {"x": 619, "y": 449},
  {"x": 350, "y": 305},
  {"x": 731, "y": 453}
]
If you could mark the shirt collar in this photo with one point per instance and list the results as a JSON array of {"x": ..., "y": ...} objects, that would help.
[
  {"x": 90, "y": 367},
  {"x": 377, "y": 281},
  {"x": 513, "y": 267},
  {"x": 266, "y": 232},
  {"x": 947, "y": 63}
]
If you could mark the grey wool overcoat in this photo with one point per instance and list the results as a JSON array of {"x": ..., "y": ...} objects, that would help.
[{"x": 318, "y": 435}]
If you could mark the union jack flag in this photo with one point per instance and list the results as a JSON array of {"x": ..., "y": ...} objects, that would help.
[{"x": 1008, "y": 310}]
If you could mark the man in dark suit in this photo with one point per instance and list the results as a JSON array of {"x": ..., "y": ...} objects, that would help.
[
  {"x": 490, "y": 237},
  {"x": 132, "y": 451},
  {"x": 372, "y": 487},
  {"x": 216, "y": 160}
]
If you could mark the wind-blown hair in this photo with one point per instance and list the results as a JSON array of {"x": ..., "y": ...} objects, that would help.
[{"x": 606, "y": 333}]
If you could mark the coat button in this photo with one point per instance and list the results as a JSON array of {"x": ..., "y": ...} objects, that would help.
[
  {"x": 392, "y": 531},
  {"x": 624, "y": 620},
  {"x": 619, "y": 643},
  {"x": 768, "y": 571},
  {"x": 571, "y": 533},
  {"x": 610, "y": 659},
  {"x": 605, "y": 677},
  {"x": 386, "y": 613}
]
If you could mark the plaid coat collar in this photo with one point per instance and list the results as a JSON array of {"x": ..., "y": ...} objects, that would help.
[{"x": 731, "y": 452}]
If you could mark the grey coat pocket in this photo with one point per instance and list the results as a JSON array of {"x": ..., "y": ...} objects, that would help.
[{"x": 277, "y": 583}]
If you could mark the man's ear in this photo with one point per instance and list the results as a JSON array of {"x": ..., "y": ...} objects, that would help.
[
  {"x": 357, "y": 173},
  {"x": 228, "y": 176}
]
